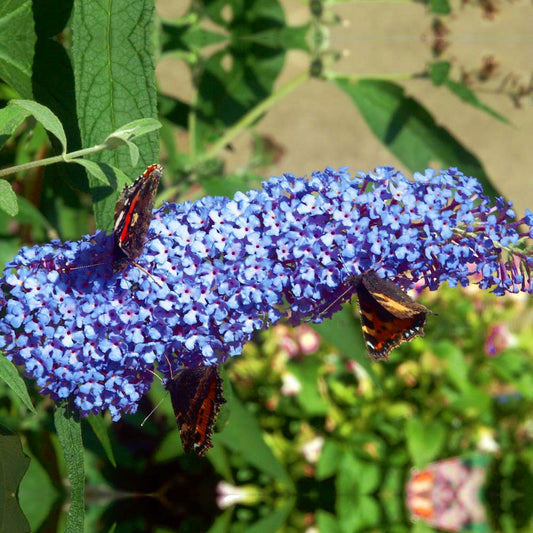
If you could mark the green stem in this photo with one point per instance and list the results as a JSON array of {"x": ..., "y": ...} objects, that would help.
[
  {"x": 252, "y": 116},
  {"x": 63, "y": 158},
  {"x": 332, "y": 75}
]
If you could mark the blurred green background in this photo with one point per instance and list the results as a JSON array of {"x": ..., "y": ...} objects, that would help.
[{"x": 314, "y": 436}]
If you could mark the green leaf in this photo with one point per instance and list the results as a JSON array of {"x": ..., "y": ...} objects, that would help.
[
  {"x": 222, "y": 522},
  {"x": 8, "y": 248},
  {"x": 69, "y": 435},
  {"x": 330, "y": 459},
  {"x": 354, "y": 509},
  {"x": 113, "y": 56},
  {"x": 11, "y": 117},
  {"x": 169, "y": 447},
  {"x": 13, "y": 465},
  {"x": 456, "y": 365},
  {"x": 132, "y": 130},
  {"x": 356, "y": 476},
  {"x": 343, "y": 330},
  {"x": 285, "y": 38},
  {"x": 473, "y": 403},
  {"x": 409, "y": 131},
  {"x": 229, "y": 185},
  {"x": 17, "y": 43},
  {"x": 100, "y": 429},
  {"x": 45, "y": 117},
  {"x": 177, "y": 36},
  {"x": 467, "y": 95},
  {"x": 101, "y": 172},
  {"x": 8, "y": 199},
  {"x": 37, "y": 494},
  {"x": 421, "y": 527},
  {"x": 440, "y": 7},
  {"x": 125, "y": 134},
  {"x": 424, "y": 440},
  {"x": 29, "y": 214},
  {"x": 226, "y": 94},
  {"x": 274, "y": 520},
  {"x": 242, "y": 434},
  {"x": 112, "y": 178},
  {"x": 326, "y": 522},
  {"x": 438, "y": 72},
  {"x": 9, "y": 373},
  {"x": 309, "y": 398}
]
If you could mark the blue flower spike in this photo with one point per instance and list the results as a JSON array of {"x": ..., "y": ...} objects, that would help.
[{"x": 229, "y": 267}]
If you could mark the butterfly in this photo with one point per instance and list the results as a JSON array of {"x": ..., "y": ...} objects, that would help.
[
  {"x": 388, "y": 315},
  {"x": 133, "y": 214},
  {"x": 196, "y": 395}
]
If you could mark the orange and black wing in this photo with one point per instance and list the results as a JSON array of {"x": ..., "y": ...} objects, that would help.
[
  {"x": 133, "y": 214},
  {"x": 388, "y": 315},
  {"x": 196, "y": 395}
]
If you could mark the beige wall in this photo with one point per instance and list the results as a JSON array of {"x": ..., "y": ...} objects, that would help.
[{"x": 319, "y": 126}]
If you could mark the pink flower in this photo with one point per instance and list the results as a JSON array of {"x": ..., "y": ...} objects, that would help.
[
  {"x": 498, "y": 339},
  {"x": 308, "y": 339}
]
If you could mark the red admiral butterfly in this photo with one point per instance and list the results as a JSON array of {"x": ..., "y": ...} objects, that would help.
[
  {"x": 388, "y": 315},
  {"x": 196, "y": 395},
  {"x": 133, "y": 214}
]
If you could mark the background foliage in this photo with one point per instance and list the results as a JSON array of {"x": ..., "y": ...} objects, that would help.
[{"x": 314, "y": 434}]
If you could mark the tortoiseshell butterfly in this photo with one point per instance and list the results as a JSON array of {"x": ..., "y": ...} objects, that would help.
[
  {"x": 388, "y": 315},
  {"x": 196, "y": 395},
  {"x": 133, "y": 214}
]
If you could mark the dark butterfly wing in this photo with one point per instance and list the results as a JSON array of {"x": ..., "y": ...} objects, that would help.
[
  {"x": 196, "y": 395},
  {"x": 388, "y": 315},
  {"x": 133, "y": 214}
]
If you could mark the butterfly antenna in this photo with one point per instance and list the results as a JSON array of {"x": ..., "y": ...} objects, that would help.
[
  {"x": 153, "y": 410},
  {"x": 169, "y": 366},
  {"x": 337, "y": 299},
  {"x": 155, "y": 374},
  {"x": 343, "y": 294},
  {"x": 67, "y": 268},
  {"x": 157, "y": 281}
]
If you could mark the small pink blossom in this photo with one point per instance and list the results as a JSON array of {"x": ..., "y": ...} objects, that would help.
[
  {"x": 498, "y": 339},
  {"x": 308, "y": 339}
]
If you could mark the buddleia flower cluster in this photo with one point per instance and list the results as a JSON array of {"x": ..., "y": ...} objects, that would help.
[{"x": 221, "y": 269}]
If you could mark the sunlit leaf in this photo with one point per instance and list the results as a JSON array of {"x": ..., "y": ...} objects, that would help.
[
  {"x": 45, "y": 117},
  {"x": 409, "y": 131},
  {"x": 115, "y": 85},
  {"x": 11, "y": 117},
  {"x": 9, "y": 373},
  {"x": 469, "y": 96},
  {"x": 17, "y": 42},
  {"x": 8, "y": 199}
]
